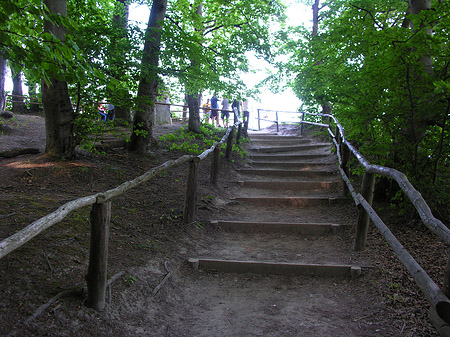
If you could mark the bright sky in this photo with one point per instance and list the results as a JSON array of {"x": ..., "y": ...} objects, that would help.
[{"x": 298, "y": 14}]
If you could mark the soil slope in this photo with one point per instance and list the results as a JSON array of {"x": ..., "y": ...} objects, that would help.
[{"x": 148, "y": 235}]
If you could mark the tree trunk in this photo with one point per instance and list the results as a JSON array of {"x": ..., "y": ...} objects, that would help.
[
  {"x": 34, "y": 106},
  {"x": 194, "y": 101},
  {"x": 417, "y": 6},
  {"x": 142, "y": 138},
  {"x": 2, "y": 81},
  {"x": 194, "y": 113},
  {"x": 119, "y": 96},
  {"x": 18, "y": 105},
  {"x": 59, "y": 115},
  {"x": 315, "y": 8}
]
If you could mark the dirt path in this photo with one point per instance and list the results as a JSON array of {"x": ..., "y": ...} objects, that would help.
[
  {"x": 212, "y": 303},
  {"x": 147, "y": 231}
]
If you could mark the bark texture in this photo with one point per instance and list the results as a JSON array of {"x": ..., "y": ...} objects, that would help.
[
  {"x": 18, "y": 105},
  {"x": 194, "y": 113},
  {"x": 121, "y": 95},
  {"x": 144, "y": 119},
  {"x": 2, "y": 81},
  {"x": 417, "y": 6},
  {"x": 58, "y": 111}
]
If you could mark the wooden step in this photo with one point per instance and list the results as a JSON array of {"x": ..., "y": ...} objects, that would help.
[
  {"x": 280, "y": 141},
  {"x": 288, "y": 157},
  {"x": 277, "y": 227},
  {"x": 287, "y": 173},
  {"x": 273, "y": 136},
  {"x": 290, "y": 185},
  {"x": 305, "y": 147},
  {"x": 275, "y": 268},
  {"x": 289, "y": 201},
  {"x": 292, "y": 165}
]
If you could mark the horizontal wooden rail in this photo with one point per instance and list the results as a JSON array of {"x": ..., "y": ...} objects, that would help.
[
  {"x": 429, "y": 288},
  {"x": 20, "y": 238},
  {"x": 26, "y": 234},
  {"x": 436, "y": 297},
  {"x": 434, "y": 225},
  {"x": 122, "y": 188}
]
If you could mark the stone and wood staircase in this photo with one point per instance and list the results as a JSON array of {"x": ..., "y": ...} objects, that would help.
[{"x": 286, "y": 181}]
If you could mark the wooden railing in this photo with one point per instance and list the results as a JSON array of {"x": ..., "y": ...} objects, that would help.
[
  {"x": 440, "y": 303},
  {"x": 101, "y": 214}
]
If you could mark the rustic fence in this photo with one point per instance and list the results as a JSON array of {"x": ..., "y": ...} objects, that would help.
[
  {"x": 440, "y": 303},
  {"x": 101, "y": 214}
]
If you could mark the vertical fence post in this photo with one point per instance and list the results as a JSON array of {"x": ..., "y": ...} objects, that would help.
[
  {"x": 446, "y": 287},
  {"x": 191, "y": 191},
  {"x": 98, "y": 255},
  {"x": 301, "y": 123},
  {"x": 337, "y": 135},
  {"x": 259, "y": 120},
  {"x": 246, "y": 119},
  {"x": 362, "y": 225},
  {"x": 345, "y": 156},
  {"x": 215, "y": 166},
  {"x": 239, "y": 133},
  {"x": 229, "y": 145},
  {"x": 276, "y": 115}
]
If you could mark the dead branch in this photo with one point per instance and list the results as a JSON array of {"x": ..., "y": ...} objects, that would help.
[
  {"x": 159, "y": 286},
  {"x": 7, "y": 215}
]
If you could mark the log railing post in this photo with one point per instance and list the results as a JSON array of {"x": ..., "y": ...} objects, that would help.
[
  {"x": 345, "y": 156},
  {"x": 229, "y": 148},
  {"x": 276, "y": 115},
  {"x": 362, "y": 225},
  {"x": 215, "y": 166},
  {"x": 191, "y": 191},
  {"x": 239, "y": 134},
  {"x": 98, "y": 255},
  {"x": 446, "y": 287},
  {"x": 245, "y": 132},
  {"x": 301, "y": 123},
  {"x": 259, "y": 119},
  {"x": 337, "y": 135}
]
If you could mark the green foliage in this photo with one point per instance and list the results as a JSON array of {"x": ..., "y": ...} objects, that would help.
[
  {"x": 369, "y": 65},
  {"x": 209, "y": 49},
  {"x": 195, "y": 143}
]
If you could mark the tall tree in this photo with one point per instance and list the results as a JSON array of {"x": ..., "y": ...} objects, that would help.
[
  {"x": 117, "y": 64},
  {"x": 193, "y": 97},
  {"x": 18, "y": 105},
  {"x": 59, "y": 114},
  {"x": 206, "y": 44},
  {"x": 372, "y": 70},
  {"x": 142, "y": 137},
  {"x": 2, "y": 81}
]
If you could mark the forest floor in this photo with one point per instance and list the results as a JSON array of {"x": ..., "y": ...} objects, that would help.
[{"x": 148, "y": 235}]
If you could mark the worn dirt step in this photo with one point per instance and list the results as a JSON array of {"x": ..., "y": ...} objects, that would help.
[
  {"x": 291, "y": 201},
  {"x": 275, "y": 268},
  {"x": 295, "y": 148},
  {"x": 304, "y": 229},
  {"x": 287, "y": 173},
  {"x": 290, "y": 185}
]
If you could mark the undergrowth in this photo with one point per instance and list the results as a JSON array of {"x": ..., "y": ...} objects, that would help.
[{"x": 195, "y": 143}]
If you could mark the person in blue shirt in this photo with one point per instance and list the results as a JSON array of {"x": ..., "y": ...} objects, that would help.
[{"x": 215, "y": 109}]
